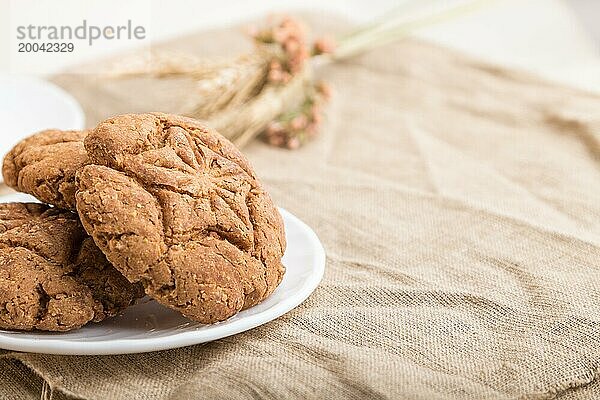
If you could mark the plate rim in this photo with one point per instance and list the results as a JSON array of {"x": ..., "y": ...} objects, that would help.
[
  {"x": 186, "y": 338},
  {"x": 78, "y": 114}
]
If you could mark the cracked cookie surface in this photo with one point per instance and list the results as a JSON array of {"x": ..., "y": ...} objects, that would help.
[
  {"x": 177, "y": 207},
  {"x": 44, "y": 165},
  {"x": 52, "y": 275}
]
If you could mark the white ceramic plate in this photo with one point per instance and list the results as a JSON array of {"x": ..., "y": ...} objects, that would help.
[
  {"x": 150, "y": 327},
  {"x": 29, "y": 105}
]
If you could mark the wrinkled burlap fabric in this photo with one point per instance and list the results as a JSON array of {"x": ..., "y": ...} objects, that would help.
[{"x": 459, "y": 206}]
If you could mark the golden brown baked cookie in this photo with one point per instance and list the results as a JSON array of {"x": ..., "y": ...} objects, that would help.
[
  {"x": 52, "y": 275},
  {"x": 176, "y": 206},
  {"x": 44, "y": 165}
]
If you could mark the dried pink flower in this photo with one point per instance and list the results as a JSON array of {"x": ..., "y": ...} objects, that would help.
[
  {"x": 299, "y": 122},
  {"x": 275, "y": 64},
  {"x": 324, "y": 89},
  {"x": 278, "y": 141},
  {"x": 312, "y": 129},
  {"x": 291, "y": 45},
  {"x": 276, "y": 76},
  {"x": 286, "y": 77},
  {"x": 315, "y": 114},
  {"x": 324, "y": 45},
  {"x": 293, "y": 143},
  {"x": 291, "y": 36},
  {"x": 274, "y": 128}
]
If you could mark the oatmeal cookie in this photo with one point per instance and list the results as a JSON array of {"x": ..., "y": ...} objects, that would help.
[
  {"x": 176, "y": 206},
  {"x": 44, "y": 165},
  {"x": 52, "y": 275}
]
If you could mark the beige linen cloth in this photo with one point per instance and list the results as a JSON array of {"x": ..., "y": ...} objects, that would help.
[{"x": 459, "y": 206}]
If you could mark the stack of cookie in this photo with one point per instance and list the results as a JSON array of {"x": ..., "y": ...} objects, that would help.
[{"x": 144, "y": 203}]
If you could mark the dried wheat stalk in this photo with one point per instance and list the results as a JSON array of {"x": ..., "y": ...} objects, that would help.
[{"x": 272, "y": 90}]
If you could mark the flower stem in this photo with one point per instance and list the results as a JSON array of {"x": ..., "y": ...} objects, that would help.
[{"x": 394, "y": 26}]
